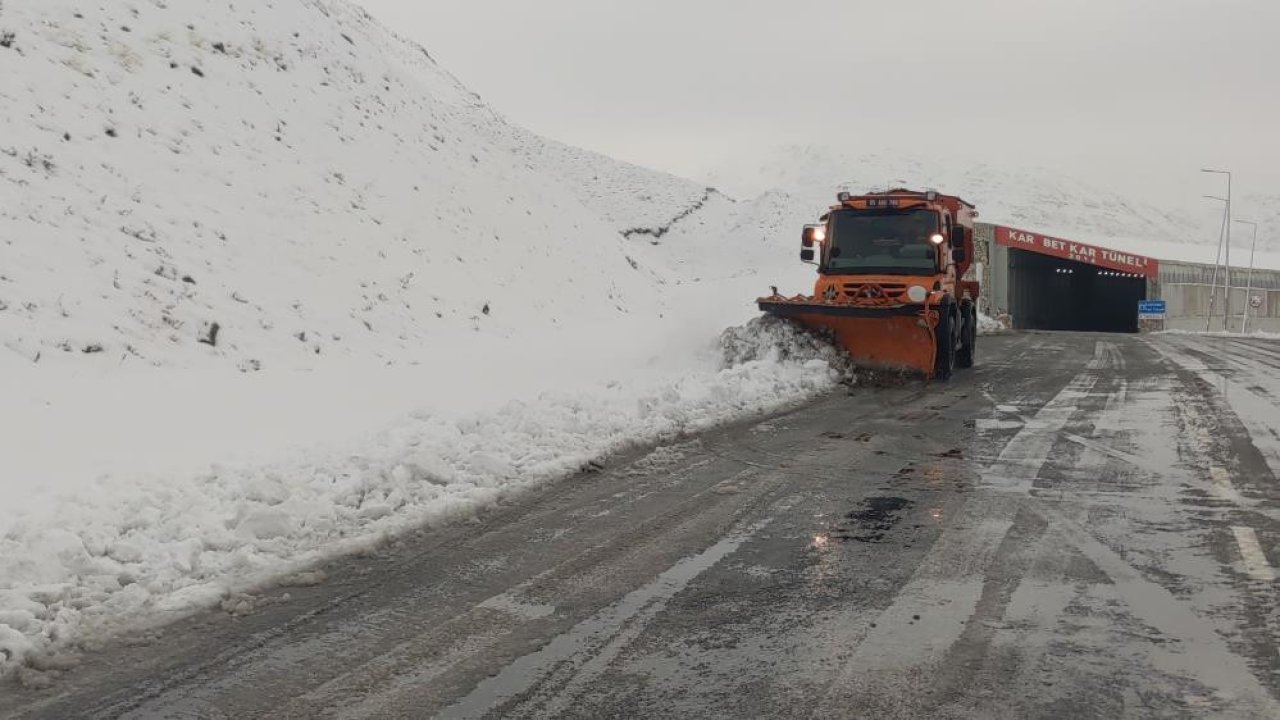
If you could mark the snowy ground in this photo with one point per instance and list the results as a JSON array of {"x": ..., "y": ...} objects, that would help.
[
  {"x": 988, "y": 325},
  {"x": 134, "y": 527}
]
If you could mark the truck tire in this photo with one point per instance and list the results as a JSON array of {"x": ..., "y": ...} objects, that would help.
[
  {"x": 968, "y": 337},
  {"x": 945, "y": 334}
]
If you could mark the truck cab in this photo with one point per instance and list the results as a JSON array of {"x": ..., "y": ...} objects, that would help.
[{"x": 900, "y": 255}]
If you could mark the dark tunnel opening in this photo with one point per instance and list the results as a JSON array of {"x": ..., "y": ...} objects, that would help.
[{"x": 1050, "y": 293}]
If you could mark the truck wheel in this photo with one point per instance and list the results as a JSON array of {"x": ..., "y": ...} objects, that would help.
[
  {"x": 945, "y": 337},
  {"x": 968, "y": 338}
]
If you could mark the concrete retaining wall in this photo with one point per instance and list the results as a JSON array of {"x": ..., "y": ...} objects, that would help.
[
  {"x": 1188, "y": 289},
  {"x": 994, "y": 261},
  {"x": 1189, "y": 308}
]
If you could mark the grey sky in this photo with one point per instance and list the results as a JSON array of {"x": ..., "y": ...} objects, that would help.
[{"x": 1133, "y": 91}]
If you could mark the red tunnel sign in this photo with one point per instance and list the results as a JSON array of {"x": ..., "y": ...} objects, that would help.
[{"x": 1077, "y": 251}]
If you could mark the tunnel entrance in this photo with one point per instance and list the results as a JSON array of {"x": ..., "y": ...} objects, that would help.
[
  {"x": 1058, "y": 284},
  {"x": 1052, "y": 293}
]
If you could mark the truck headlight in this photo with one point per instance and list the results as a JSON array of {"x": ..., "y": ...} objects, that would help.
[
  {"x": 936, "y": 238},
  {"x": 917, "y": 294}
]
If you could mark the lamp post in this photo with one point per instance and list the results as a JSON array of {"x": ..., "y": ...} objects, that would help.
[
  {"x": 1248, "y": 291},
  {"x": 1226, "y": 262},
  {"x": 1213, "y": 287}
]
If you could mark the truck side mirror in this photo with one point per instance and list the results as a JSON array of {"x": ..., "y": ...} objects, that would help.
[
  {"x": 957, "y": 236},
  {"x": 958, "y": 255},
  {"x": 813, "y": 234}
]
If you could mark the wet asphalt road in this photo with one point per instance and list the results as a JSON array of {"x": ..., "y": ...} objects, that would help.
[{"x": 1084, "y": 526}]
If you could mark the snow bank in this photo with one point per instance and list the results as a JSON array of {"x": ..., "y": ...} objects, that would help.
[
  {"x": 988, "y": 325},
  {"x": 127, "y": 551}
]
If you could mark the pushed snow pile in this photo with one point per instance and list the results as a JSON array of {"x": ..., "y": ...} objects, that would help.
[
  {"x": 771, "y": 339},
  {"x": 132, "y": 551}
]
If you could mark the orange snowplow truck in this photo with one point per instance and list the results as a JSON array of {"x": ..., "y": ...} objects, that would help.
[{"x": 890, "y": 281}]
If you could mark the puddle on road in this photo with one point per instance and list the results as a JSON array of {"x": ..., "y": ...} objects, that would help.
[
  {"x": 860, "y": 437},
  {"x": 869, "y": 525}
]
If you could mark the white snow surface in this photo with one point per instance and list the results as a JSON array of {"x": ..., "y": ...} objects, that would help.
[
  {"x": 420, "y": 307},
  {"x": 988, "y": 325},
  {"x": 328, "y": 192}
]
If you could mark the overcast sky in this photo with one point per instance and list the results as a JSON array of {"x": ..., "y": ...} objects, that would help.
[{"x": 1125, "y": 90}]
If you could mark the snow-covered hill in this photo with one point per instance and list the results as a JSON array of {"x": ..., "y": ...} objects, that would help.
[
  {"x": 1031, "y": 197},
  {"x": 1265, "y": 210},
  {"x": 295, "y": 177},
  {"x": 273, "y": 285}
]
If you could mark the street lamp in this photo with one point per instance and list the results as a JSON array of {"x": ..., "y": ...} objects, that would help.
[
  {"x": 1226, "y": 264},
  {"x": 1248, "y": 291},
  {"x": 1213, "y": 287}
]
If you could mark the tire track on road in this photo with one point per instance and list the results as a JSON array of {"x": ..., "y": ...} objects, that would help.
[
  {"x": 891, "y": 670},
  {"x": 1241, "y": 446}
]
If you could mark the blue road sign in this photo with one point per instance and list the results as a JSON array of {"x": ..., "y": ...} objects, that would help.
[{"x": 1151, "y": 309}]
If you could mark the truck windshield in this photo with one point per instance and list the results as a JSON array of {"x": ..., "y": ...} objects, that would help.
[{"x": 883, "y": 241}]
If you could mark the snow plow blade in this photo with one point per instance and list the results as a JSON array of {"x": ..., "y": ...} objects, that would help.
[{"x": 897, "y": 338}]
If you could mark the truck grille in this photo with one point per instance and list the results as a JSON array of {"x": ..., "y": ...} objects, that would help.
[{"x": 875, "y": 293}]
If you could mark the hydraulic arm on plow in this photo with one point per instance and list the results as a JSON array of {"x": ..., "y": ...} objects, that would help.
[{"x": 890, "y": 282}]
